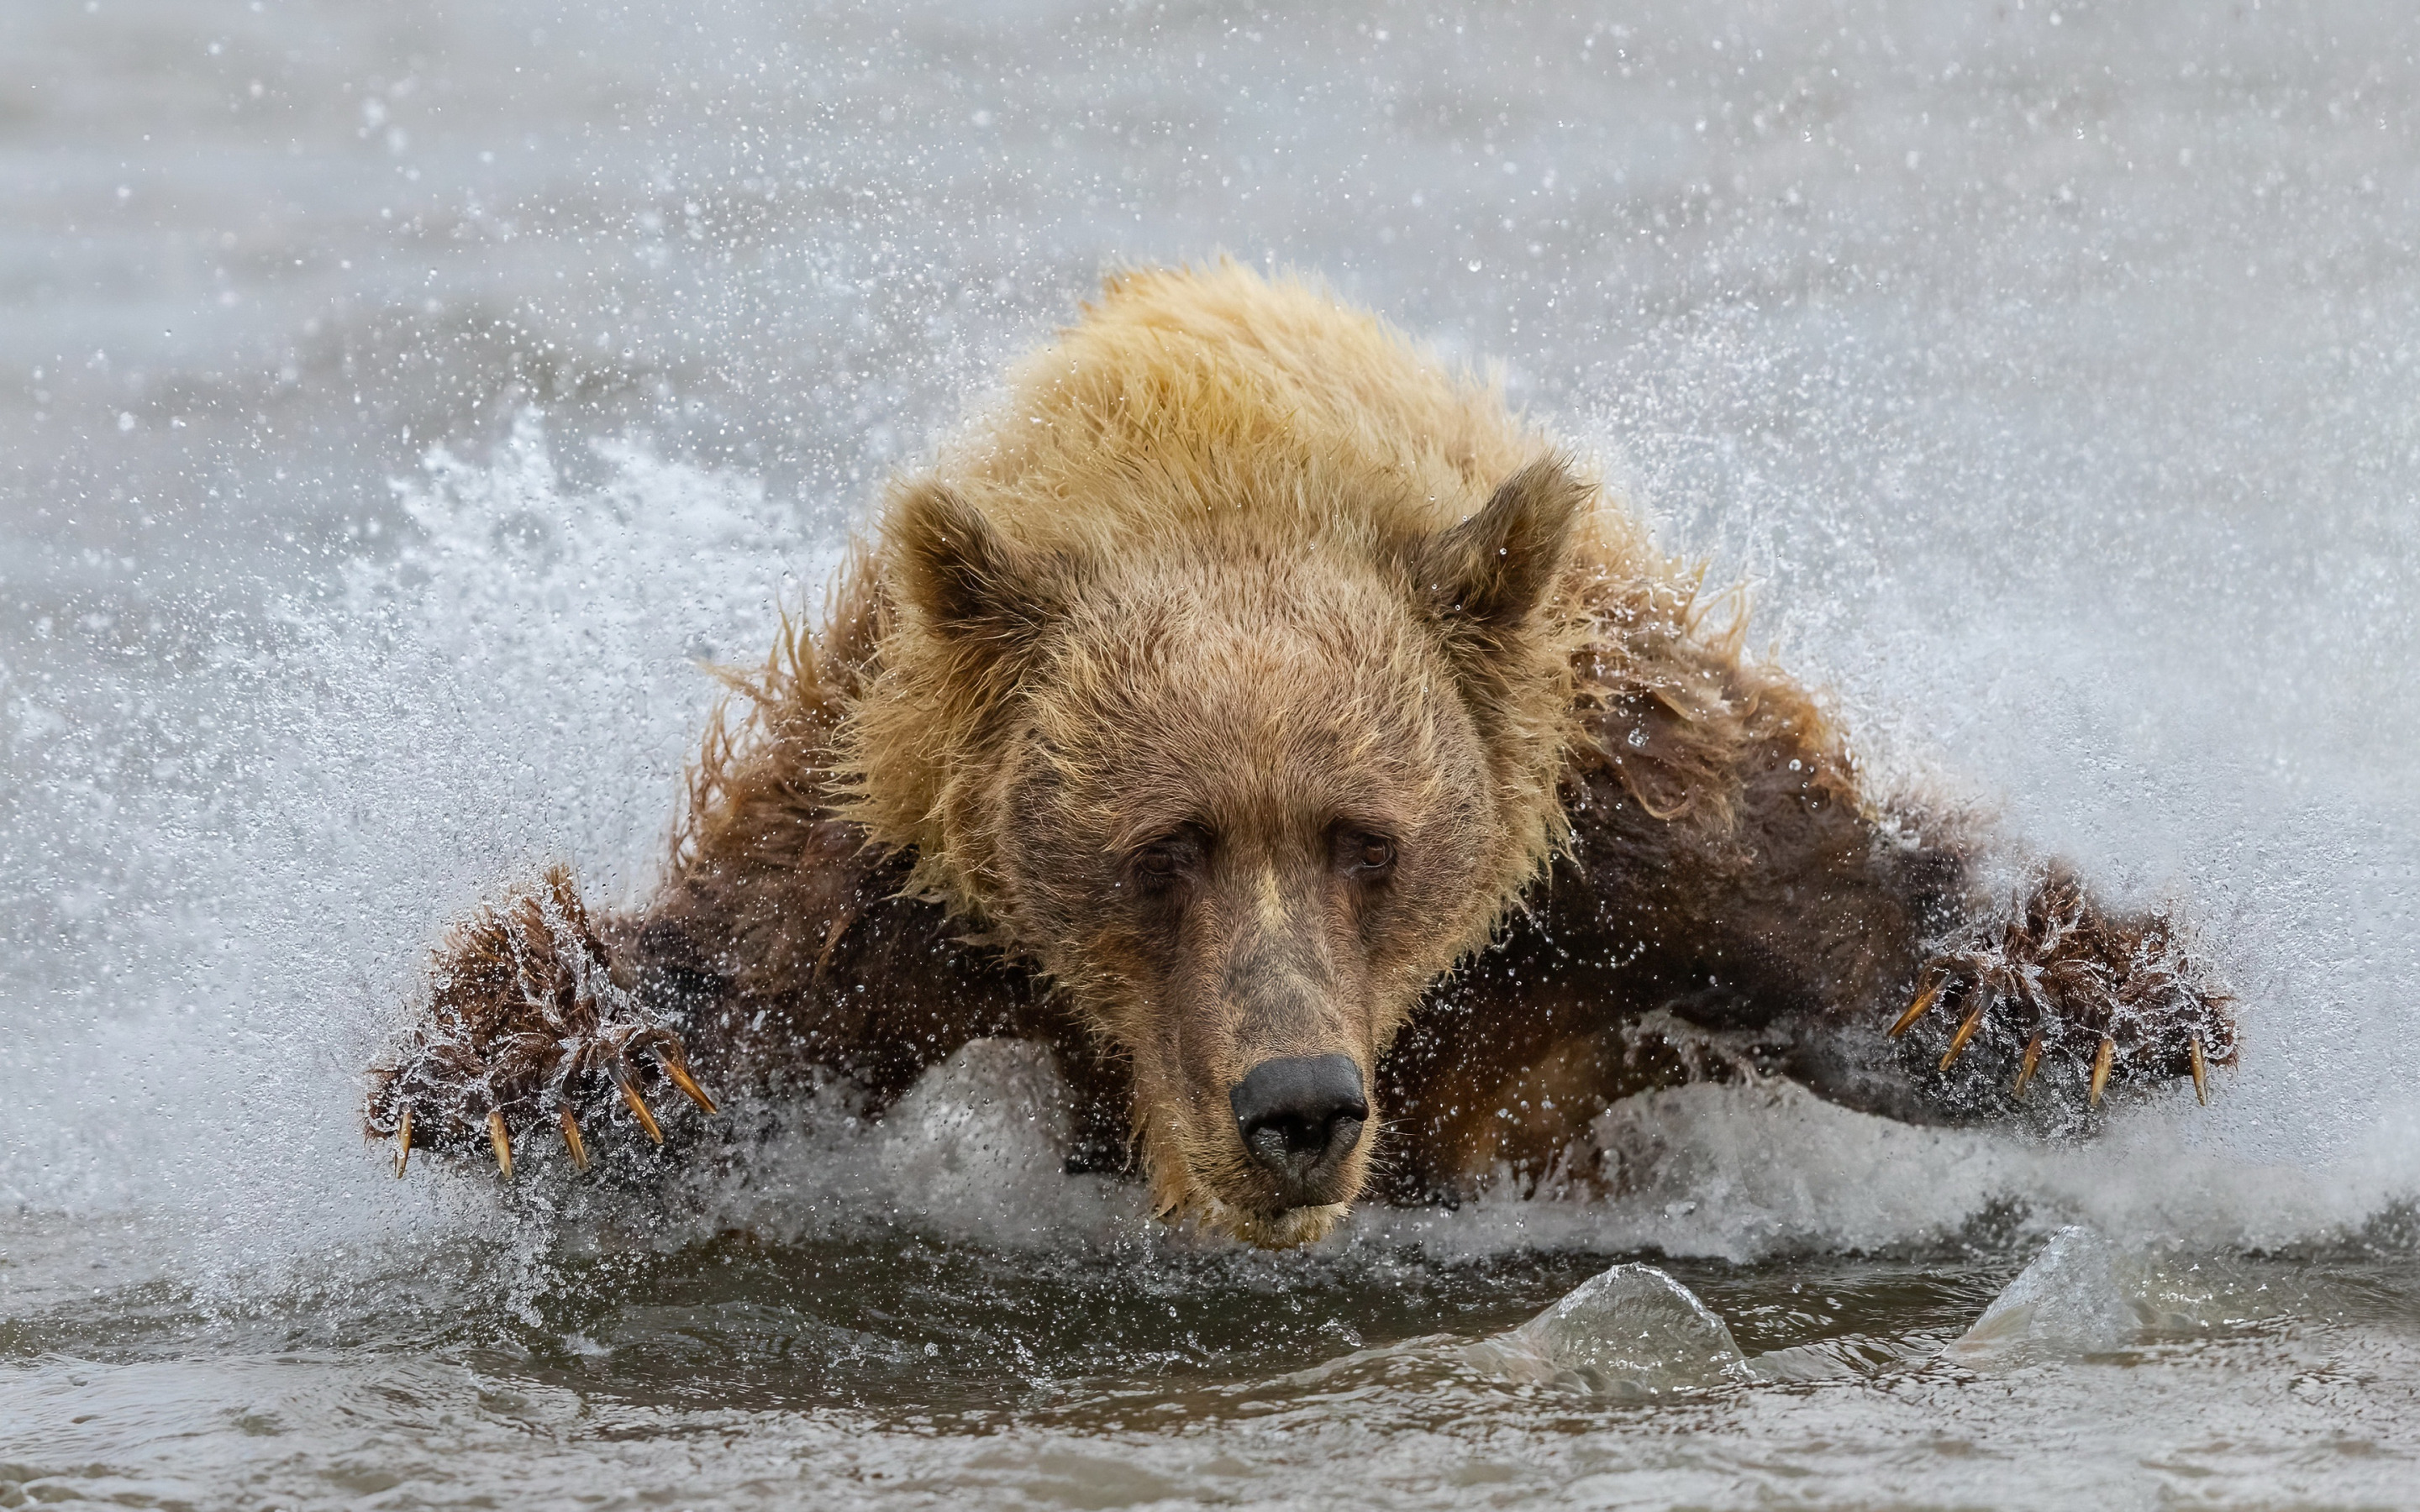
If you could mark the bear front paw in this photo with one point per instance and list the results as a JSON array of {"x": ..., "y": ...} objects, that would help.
[
  {"x": 2074, "y": 985},
  {"x": 526, "y": 1028}
]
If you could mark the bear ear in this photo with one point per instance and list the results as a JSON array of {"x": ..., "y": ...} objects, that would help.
[
  {"x": 968, "y": 581},
  {"x": 1491, "y": 571}
]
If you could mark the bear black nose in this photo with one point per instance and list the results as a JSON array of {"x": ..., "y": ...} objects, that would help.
[{"x": 1300, "y": 1116}]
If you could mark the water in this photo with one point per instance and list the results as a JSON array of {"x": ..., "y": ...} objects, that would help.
[{"x": 398, "y": 403}]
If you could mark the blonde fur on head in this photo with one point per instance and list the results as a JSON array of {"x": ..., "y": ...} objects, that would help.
[{"x": 1251, "y": 420}]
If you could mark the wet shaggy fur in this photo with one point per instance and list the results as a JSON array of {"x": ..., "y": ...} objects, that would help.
[{"x": 1244, "y": 683}]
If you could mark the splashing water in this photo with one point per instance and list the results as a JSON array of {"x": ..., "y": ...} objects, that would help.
[{"x": 2051, "y": 382}]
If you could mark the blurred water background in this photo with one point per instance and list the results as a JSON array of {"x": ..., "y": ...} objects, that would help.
[{"x": 399, "y": 401}]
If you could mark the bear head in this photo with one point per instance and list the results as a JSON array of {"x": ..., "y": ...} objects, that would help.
[{"x": 1242, "y": 793}]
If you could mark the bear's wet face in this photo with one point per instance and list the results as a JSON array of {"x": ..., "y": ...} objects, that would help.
[
  {"x": 1242, "y": 841},
  {"x": 1244, "y": 809}
]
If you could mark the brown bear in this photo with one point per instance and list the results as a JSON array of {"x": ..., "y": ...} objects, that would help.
[{"x": 1329, "y": 771}]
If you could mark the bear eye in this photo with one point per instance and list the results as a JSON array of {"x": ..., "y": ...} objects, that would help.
[
  {"x": 1162, "y": 862},
  {"x": 1368, "y": 856}
]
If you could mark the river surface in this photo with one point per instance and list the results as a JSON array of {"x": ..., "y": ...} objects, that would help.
[{"x": 400, "y": 402}]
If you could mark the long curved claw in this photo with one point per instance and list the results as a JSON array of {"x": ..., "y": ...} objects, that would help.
[
  {"x": 403, "y": 1129},
  {"x": 1923, "y": 1001},
  {"x": 2026, "y": 1067},
  {"x": 681, "y": 1078},
  {"x": 504, "y": 1143},
  {"x": 638, "y": 1107},
  {"x": 2101, "y": 1060},
  {"x": 2200, "y": 1076},
  {"x": 571, "y": 1140},
  {"x": 1965, "y": 1031}
]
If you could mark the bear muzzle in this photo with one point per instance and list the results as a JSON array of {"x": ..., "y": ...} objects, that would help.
[{"x": 1300, "y": 1118}]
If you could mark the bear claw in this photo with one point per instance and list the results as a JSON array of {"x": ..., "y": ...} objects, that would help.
[
  {"x": 470, "y": 1080},
  {"x": 526, "y": 1017},
  {"x": 2064, "y": 975},
  {"x": 680, "y": 1074},
  {"x": 1965, "y": 1032},
  {"x": 571, "y": 1140},
  {"x": 638, "y": 1104},
  {"x": 1923, "y": 1001},
  {"x": 2026, "y": 1067},
  {"x": 498, "y": 1137}
]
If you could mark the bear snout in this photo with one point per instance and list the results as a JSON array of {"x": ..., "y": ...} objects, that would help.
[{"x": 1300, "y": 1118}]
